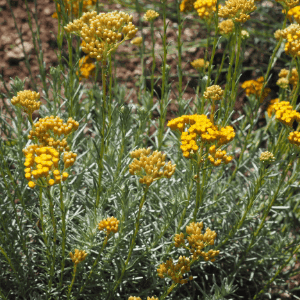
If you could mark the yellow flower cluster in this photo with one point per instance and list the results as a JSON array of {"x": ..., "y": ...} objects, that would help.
[
  {"x": 137, "y": 41},
  {"x": 267, "y": 157},
  {"x": 199, "y": 64},
  {"x": 214, "y": 93},
  {"x": 292, "y": 35},
  {"x": 289, "y": 3},
  {"x": 139, "y": 298},
  {"x": 270, "y": 108},
  {"x": 196, "y": 241},
  {"x": 187, "y": 5},
  {"x": 238, "y": 10},
  {"x": 27, "y": 100},
  {"x": 254, "y": 87},
  {"x": 294, "y": 13},
  {"x": 150, "y": 15},
  {"x": 245, "y": 34},
  {"x": 110, "y": 224},
  {"x": 102, "y": 33},
  {"x": 294, "y": 138},
  {"x": 292, "y": 78},
  {"x": 205, "y": 8},
  {"x": 78, "y": 256},
  {"x": 48, "y": 129},
  {"x": 43, "y": 162},
  {"x": 199, "y": 126},
  {"x": 73, "y": 6},
  {"x": 226, "y": 27},
  {"x": 285, "y": 113},
  {"x": 216, "y": 157},
  {"x": 87, "y": 68},
  {"x": 175, "y": 271},
  {"x": 148, "y": 167}
]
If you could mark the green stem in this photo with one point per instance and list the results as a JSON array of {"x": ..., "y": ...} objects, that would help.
[
  {"x": 73, "y": 280},
  {"x": 51, "y": 205},
  {"x": 132, "y": 242},
  {"x": 63, "y": 247},
  {"x": 163, "y": 85},
  {"x": 179, "y": 67},
  {"x": 100, "y": 161}
]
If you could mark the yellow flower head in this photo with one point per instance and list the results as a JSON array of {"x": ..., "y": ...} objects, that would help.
[
  {"x": 294, "y": 13},
  {"x": 49, "y": 130},
  {"x": 198, "y": 128},
  {"x": 147, "y": 166},
  {"x": 205, "y": 8},
  {"x": 245, "y": 34},
  {"x": 110, "y": 224},
  {"x": 214, "y": 93},
  {"x": 199, "y": 64},
  {"x": 286, "y": 78},
  {"x": 288, "y": 3},
  {"x": 150, "y": 15},
  {"x": 102, "y": 33},
  {"x": 267, "y": 157},
  {"x": 187, "y": 5},
  {"x": 78, "y": 256},
  {"x": 254, "y": 87},
  {"x": 285, "y": 113},
  {"x": 137, "y": 41},
  {"x": 87, "y": 68},
  {"x": 294, "y": 138},
  {"x": 292, "y": 35},
  {"x": 270, "y": 108},
  {"x": 72, "y": 6},
  {"x": 27, "y": 100},
  {"x": 226, "y": 27},
  {"x": 237, "y": 10},
  {"x": 42, "y": 162}
]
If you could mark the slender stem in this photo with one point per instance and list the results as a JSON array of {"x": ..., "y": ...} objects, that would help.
[
  {"x": 51, "y": 206},
  {"x": 164, "y": 83},
  {"x": 137, "y": 224},
  {"x": 100, "y": 160},
  {"x": 63, "y": 229},
  {"x": 73, "y": 280},
  {"x": 179, "y": 67}
]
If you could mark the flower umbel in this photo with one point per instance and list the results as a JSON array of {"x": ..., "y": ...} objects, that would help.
[
  {"x": 237, "y": 10},
  {"x": 102, "y": 33},
  {"x": 27, "y": 100},
  {"x": 148, "y": 167},
  {"x": 199, "y": 64},
  {"x": 254, "y": 87},
  {"x": 150, "y": 15},
  {"x": 111, "y": 224},
  {"x": 267, "y": 157},
  {"x": 78, "y": 256}
]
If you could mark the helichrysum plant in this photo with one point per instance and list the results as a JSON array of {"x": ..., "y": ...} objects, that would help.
[{"x": 99, "y": 199}]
